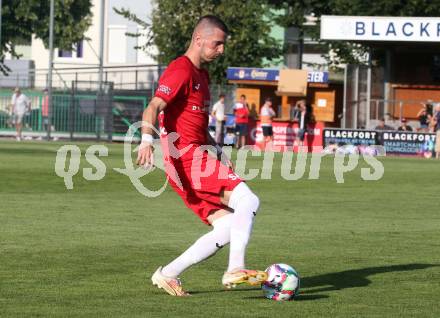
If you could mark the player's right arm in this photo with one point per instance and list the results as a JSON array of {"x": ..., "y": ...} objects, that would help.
[
  {"x": 174, "y": 82},
  {"x": 149, "y": 118}
]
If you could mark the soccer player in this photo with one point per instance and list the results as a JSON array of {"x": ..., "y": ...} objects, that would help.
[{"x": 227, "y": 204}]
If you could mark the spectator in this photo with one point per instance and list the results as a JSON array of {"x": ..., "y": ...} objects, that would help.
[
  {"x": 303, "y": 118},
  {"x": 424, "y": 119},
  {"x": 218, "y": 112},
  {"x": 45, "y": 109},
  {"x": 266, "y": 115},
  {"x": 20, "y": 106},
  {"x": 241, "y": 110},
  {"x": 404, "y": 126},
  {"x": 253, "y": 114},
  {"x": 294, "y": 111},
  {"x": 383, "y": 126},
  {"x": 436, "y": 120}
]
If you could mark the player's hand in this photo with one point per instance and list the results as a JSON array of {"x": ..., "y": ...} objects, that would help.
[
  {"x": 145, "y": 157},
  {"x": 229, "y": 164},
  {"x": 226, "y": 161}
]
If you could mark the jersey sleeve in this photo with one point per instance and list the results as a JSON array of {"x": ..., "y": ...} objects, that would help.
[{"x": 172, "y": 83}]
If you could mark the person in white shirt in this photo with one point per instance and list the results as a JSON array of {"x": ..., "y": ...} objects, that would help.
[
  {"x": 20, "y": 106},
  {"x": 218, "y": 112},
  {"x": 266, "y": 115}
]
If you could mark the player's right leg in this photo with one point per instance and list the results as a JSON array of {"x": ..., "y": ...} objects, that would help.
[
  {"x": 171, "y": 285},
  {"x": 205, "y": 247}
]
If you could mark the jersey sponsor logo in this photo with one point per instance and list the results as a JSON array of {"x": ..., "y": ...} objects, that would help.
[
  {"x": 163, "y": 131},
  {"x": 197, "y": 86},
  {"x": 200, "y": 109},
  {"x": 233, "y": 176},
  {"x": 164, "y": 89}
]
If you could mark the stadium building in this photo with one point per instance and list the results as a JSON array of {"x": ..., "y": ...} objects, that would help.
[
  {"x": 124, "y": 65},
  {"x": 402, "y": 72}
]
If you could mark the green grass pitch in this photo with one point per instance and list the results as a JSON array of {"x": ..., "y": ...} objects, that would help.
[{"x": 362, "y": 248}]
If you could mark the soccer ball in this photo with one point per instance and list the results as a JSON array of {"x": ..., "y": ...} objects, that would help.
[{"x": 282, "y": 282}]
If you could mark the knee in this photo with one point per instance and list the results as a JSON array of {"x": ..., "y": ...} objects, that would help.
[
  {"x": 252, "y": 201},
  {"x": 250, "y": 198},
  {"x": 242, "y": 195}
]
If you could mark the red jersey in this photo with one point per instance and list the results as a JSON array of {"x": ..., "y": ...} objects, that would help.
[
  {"x": 185, "y": 89},
  {"x": 241, "y": 113}
]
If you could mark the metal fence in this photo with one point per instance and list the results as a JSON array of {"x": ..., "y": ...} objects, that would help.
[
  {"x": 365, "y": 100},
  {"x": 79, "y": 110},
  {"x": 82, "y": 112},
  {"x": 123, "y": 77},
  {"x": 393, "y": 111}
]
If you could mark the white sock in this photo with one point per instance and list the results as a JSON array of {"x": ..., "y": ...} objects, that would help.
[
  {"x": 203, "y": 248},
  {"x": 245, "y": 204}
]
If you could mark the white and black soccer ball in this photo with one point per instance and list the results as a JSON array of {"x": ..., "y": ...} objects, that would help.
[{"x": 282, "y": 282}]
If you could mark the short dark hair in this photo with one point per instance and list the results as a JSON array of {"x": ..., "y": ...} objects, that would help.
[
  {"x": 221, "y": 95},
  {"x": 243, "y": 95},
  {"x": 215, "y": 21}
]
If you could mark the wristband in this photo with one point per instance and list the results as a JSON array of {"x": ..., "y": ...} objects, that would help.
[
  {"x": 219, "y": 151},
  {"x": 147, "y": 138}
]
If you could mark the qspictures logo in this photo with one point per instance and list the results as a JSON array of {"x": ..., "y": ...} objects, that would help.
[{"x": 346, "y": 159}]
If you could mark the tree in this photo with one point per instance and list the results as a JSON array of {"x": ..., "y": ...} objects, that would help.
[
  {"x": 249, "y": 44},
  {"x": 24, "y": 18},
  {"x": 347, "y": 52}
]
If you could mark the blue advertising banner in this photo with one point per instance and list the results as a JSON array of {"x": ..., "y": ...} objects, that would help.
[
  {"x": 394, "y": 142},
  {"x": 265, "y": 74},
  {"x": 229, "y": 120},
  {"x": 349, "y": 137},
  {"x": 317, "y": 77},
  {"x": 408, "y": 143},
  {"x": 253, "y": 74}
]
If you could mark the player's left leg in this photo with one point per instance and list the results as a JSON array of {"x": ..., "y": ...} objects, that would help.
[
  {"x": 245, "y": 205},
  {"x": 205, "y": 247}
]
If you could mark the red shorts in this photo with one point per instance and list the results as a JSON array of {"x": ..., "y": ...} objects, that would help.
[{"x": 199, "y": 179}]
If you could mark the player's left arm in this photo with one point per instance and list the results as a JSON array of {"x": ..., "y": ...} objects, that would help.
[
  {"x": 212, "y": 142},
  {"x": 220, "y": 155}
]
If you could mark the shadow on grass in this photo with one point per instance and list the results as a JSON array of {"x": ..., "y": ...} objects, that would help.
[
  {"x": 329, "y": 282},
  {"x": 195, "y": 292},
  {"x": 300, "y": 297},
  {"x": 352, "y": 278}
]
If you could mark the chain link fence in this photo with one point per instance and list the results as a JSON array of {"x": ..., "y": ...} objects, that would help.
[{"x": 84, "y": 111}]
